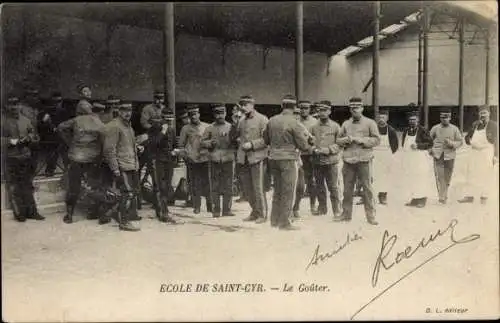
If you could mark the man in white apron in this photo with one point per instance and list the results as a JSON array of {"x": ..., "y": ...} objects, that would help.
[
  {"x": 383, "y": 163},
  {"x": 482, "y": 138},
  {"x": 416, "y": 162}
]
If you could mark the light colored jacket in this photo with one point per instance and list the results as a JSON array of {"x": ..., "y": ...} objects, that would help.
[
  {"x": 251, "y": 129},
  {"x": 220, "y": 134},
  {"x": 119, "y": 146},
  {"x": 367, "y": 130}
]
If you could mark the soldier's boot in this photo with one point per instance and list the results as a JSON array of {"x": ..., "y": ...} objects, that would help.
[
  {"x": 226, "y": 205},
  {"x": 209, "y": 205},
  {"x": 165, "y": 216},
  {"x": 32, "y": 210},
  {"x": 68, "y": 218},
  {"x": 93, "y": 212},
  {"x": 18, "y": 210},
  {"x": 125, "y": 224}
]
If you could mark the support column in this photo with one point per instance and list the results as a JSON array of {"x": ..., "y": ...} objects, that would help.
[
  {"x": 299, "y": 51},
  {"x": 376, "y": 52},
  {"x": 461, "y": 74},
  {"x": 425, "y": 81},
  {"x": 169, "y": 39},
  {"x": 487, "y": 72},
  {"x": 419, "y": 68}
]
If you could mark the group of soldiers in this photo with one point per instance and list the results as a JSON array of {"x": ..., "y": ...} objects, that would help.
[{"x": 302, "y": 146}]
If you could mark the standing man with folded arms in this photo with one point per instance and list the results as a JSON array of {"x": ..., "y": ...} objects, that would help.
[
  {"x": 251, "y": 155},
  {"x": 358, "y": 135}
]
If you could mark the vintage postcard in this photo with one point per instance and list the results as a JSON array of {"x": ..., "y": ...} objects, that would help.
[{"x": 249, "y": 161}]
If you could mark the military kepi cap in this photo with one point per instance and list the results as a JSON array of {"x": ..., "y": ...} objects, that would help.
[
  {"x": 324, "y": 105},
  {"x": 12, "y": 99},
  {"x": 193, "y": 109},
  {"x": 355, "y": 102},
  {"x": 289, "y": 99},
  {"x": 445, "y": 111},
  {"x": 113, "y": 100},
  {"x": 305, "y": 104},
  {"x": 414, "y": 113},
  {"x": 159, "y": 94},
  {"x": 183, "y": 114},
  {"x": 56, "y": 96},
  {"x": 484, "y": 107},
  {"x": 246, "y": 99},
  {"x": 126, "y": 106},
  {"x": 167, "y": 114},
  {"x": 219, "y": 108},
  {"x": 384, "y": 112}
]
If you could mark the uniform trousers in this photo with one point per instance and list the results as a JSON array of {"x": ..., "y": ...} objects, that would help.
[
  {"x": 221, "y": 183},
  {"x": 200, "y": 183},
  {"x": 285, "y": 176},
  {"x": 299, "y": 192},
  {"x": 362, "y": 172},
  {"x": 76, "y": 173},
  {"x": 308, "y": 167},
  {"x": 329, "y": 174},
  {"x": 128, "y": 183},
  {"x": 165, "y": 172},
  {"x": 252, "y": 179},
  {"x": 20, "y": 186},
  {"x": 443, "y": 170}
]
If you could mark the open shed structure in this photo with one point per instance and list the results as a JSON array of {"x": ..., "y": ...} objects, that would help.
[{"x": 329, "y": 28}]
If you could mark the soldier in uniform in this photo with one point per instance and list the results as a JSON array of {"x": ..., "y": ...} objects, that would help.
[
  {"x": 358, "y": 135},
  {"x": 84, "y": 107},
  {"x": 301, "y": 184},
  {"x": 18, "y": 134},
  {"x": 84, "y": 135},
  {"x": 50, "y": 142},
  {"x": 307, "y": 165},
  {"x": 285, "y": 135},
  {"x": 31, "y": 106},
  {"x": 383, "y": 161},
  {"x": 120, "y": 153},
  {"x": 189, "y": 202},
  {"x": 251, "y": 155},
  {"x": 153, "y": 110},
  {"x": 197, "y": 158},
  {"x": 236, "y": 116},
  {"x": 446, "y": 139},
  {"x": 326, "y": 155},
  {"x": 165, "y": 161},
  {"x": 218, "y": 139}
]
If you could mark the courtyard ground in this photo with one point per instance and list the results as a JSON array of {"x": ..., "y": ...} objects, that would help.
[{"x": 52, "y": 271}]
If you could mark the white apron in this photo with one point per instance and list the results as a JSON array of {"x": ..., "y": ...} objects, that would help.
[
  {"x": 480, "y": 170},
  {"x": 418, "y": 171},
  {"x": 382, "y": 165}
]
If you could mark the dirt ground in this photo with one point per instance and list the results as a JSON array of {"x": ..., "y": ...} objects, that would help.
[{"x": 85, "y": 272}]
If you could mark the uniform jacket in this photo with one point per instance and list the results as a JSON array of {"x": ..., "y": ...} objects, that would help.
[
  {"x": 423, "y": 139},
  {"x": 150, "y": 111},
  {"x": 47, "y": 128},
  {"x": 393, "y": 138},
  {"x": 309, "y": 123},
  {"x": 285, "y": 134},
  {"x": 119, "y": 146},
  {"x": 83, "y": 107},
  {"x": 190, "y": 140},
  {"x": 84, "y": 135},
  {"x": 17, "y": 128},
  {"x": 438, "y": 134},
  {"x": 251, "y": 129},
  {"x": 367, "y": 130},
  {"x": 166, "y": 143},
  {"x": 30, "y": 112},
  {"x": 221, "y": 136},
  {"x": 491, "y": 133},
  {"x": 325, "y": 136}
]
